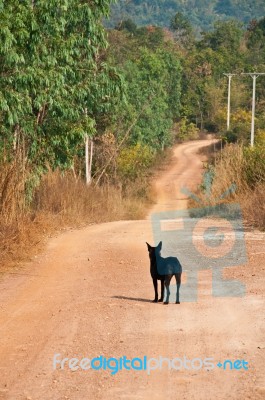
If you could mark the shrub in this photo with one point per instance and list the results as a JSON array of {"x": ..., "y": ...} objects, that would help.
[
  {"x": 133, "y": 161},
  {"x": 254, "y": 165},
  {"x": 187, "y": 130}
]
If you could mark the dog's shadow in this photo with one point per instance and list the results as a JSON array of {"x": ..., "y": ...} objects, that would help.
[{"x": 131, "y": 298}]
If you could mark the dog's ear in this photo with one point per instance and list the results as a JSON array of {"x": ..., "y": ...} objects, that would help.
[
  {"x": 148, "y": 246},
  {"x": 159, "y": 246}
]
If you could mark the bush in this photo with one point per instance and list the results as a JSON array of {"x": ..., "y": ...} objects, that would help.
[
  {"x": 230, "y": 137},
  {"x": 133, "y": 161},
  {"x": 186, "y": 130},
  {"x": 254, "y": 165}
]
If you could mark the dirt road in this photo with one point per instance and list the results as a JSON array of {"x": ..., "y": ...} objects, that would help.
[{"x": 88, "y": 294}]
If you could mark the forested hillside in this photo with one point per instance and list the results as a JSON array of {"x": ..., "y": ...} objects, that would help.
[
  {"x": 201, "y": 13},
  {"x": 199, "y": 92}
]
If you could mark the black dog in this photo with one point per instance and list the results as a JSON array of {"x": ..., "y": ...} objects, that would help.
[{"x": 163, "y": 269}]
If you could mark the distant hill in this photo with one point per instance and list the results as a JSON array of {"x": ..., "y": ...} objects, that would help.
[{"x": 201, "y": 13}]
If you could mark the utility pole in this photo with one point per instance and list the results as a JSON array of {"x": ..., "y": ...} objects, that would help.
[
  {"x": 229, "y": 76},
  {"x": 254, "y": 76}
]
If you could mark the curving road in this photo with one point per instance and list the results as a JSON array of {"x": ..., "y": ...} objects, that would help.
[{"x": 88, "y": 294}]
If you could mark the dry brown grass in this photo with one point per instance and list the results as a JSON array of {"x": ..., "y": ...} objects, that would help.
[
  {"x": 12, "y": 184},
  {"x": 231, "y": 167},
  {"x": 253, "y": 206},
  {"x": 59, "y": 202}
]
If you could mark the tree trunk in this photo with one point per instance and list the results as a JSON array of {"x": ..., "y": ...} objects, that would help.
[{"x": 89, "y": 158}]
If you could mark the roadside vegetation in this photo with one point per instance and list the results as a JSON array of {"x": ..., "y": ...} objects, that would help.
[
  {"x": 72, "y": 91},
  {"x": 242, "y": 169}
]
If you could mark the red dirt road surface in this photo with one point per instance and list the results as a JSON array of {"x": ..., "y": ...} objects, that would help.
[{"x": 88, "y": 295}]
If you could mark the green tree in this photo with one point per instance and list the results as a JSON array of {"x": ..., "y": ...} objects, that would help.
[
  {"x": 128, "y": 25},
  {"x": 225, "y": 7},
  {"x": 256, "y": 41},
  {"x": 226, "y": 35},
  {"x": 152, "y": 77},
  {"x": 51, "y": 72},
  {"x": 182, "y": 29}
]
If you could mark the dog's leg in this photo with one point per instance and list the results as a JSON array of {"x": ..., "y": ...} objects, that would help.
[
  {"x": 156, "y": 292},
  {"x": 167, "y": 283},
  {"x": 178, "y": 282},
  {"x": 162, "y": 290}
]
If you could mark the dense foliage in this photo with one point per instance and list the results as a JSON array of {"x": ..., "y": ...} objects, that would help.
[
  {"x": 152, "y": 73},
  {"x": 201, "y": 13},
  {"x": 200, "y": 88},
  {"x": 51, "y": 73}
]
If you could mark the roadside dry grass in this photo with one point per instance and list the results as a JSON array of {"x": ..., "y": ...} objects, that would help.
[
  {"x": 245, "y": 169},
  {"x": 61, "y": 202}
]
